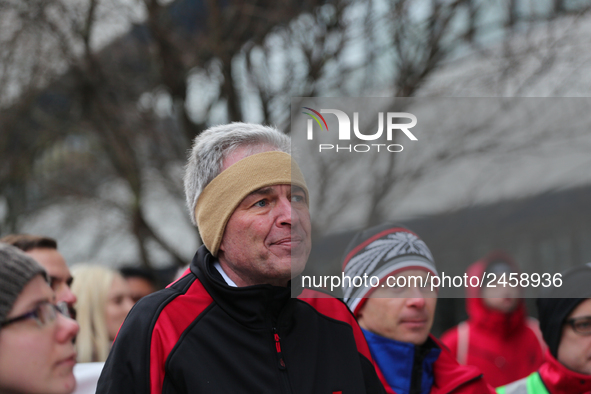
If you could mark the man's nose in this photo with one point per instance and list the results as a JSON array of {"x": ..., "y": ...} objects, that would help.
[
  {"x": 283, "y": 211},
  {"x": 64, "y": 294},
  {"x": 417, "y": 301}
]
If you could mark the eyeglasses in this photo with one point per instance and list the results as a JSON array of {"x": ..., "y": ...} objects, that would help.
[
  {"x": 44, "y": 313},
  {"x": 582, "y": 324}
]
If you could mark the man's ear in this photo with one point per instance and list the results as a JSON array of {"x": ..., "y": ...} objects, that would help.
[{"x": 360, "y": 314}]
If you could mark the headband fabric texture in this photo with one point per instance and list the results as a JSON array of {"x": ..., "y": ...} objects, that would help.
[{"x": 226, "y": 191}]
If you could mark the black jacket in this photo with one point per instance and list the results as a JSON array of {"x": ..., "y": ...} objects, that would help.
[{"x": 200, "y": 335}]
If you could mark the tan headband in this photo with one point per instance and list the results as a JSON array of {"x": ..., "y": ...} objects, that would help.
[{"x": 220, "y": 198}]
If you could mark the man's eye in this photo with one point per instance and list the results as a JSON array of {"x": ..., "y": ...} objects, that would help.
[
  {"x": 53, "y": 282},
  {"x": 261, "y": 203},
  {"x": 297, "y": 198}
]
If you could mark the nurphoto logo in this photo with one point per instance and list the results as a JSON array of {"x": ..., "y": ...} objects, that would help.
[{"x": 344, "y": 130}]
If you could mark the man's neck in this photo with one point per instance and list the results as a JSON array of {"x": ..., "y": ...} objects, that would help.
[
  {"x": 230, "y": 275},
  {"x": 228, "y": 280}
]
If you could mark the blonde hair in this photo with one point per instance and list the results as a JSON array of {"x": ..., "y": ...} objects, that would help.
[{"x": 91, "y": 286}]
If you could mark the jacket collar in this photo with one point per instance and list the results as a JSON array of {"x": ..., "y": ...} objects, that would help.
[
  {"x": 449, "y": 374},
  {"x": 257, "y": 306},
  {"x": 558, "y": 379},
  {"x": 397, "y": 361}
]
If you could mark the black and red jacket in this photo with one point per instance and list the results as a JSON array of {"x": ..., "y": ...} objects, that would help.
[{"x": 200, "y": 335}]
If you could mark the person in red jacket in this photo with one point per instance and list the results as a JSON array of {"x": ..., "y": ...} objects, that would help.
[
  {"x": 498, "y": 337},
  {"x": 565, "y": 321},
  {"x": 396, "y": 314}
]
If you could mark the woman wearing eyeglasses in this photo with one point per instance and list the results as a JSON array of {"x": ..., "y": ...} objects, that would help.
[
  {"x": 37, "y": 351},
  {"x": 565, "y": 321}
]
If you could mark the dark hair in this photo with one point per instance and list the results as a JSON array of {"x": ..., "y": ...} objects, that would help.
[
  {"x": 138, "y": 272},
  {"x": 26, "y": 242}
]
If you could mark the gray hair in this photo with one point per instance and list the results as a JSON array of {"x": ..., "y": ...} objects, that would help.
[{"x": 213, "y": 145}]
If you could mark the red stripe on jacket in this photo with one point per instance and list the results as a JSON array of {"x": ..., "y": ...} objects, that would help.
[{"x": 172, "y": 322}]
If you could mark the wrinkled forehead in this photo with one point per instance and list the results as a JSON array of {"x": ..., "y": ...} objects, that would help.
[{"x": 273, "y": 189}]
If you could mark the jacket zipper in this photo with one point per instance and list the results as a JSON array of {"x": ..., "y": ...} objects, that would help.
[
  {"x": 281, "y": 362},
  {"x": 278, "y": 349}
]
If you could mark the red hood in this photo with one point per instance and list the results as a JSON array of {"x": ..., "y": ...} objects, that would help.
[
  {"x": 482, "y": 316},
  {"x": 561, "y": 380}
]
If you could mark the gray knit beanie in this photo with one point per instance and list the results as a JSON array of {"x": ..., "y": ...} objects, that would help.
[
  {"x": 382, "y": 251},
  {"x": 16, "y": 270}
]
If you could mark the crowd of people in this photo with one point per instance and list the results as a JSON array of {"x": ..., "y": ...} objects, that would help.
[
  {"x": 98, "y": 301},
  {"x": 236, "y": 320}
]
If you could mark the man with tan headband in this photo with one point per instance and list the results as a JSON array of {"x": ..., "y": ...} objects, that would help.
[{"x": 230, "y": 324}]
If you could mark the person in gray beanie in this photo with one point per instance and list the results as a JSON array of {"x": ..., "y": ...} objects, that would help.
[
  {"x": 37, "y": 352},
  {"x": 396, "y": 313},
  {"x": 44, "y": 250},
  {"x": 564, "y": 312},
  {"x": 16, "y": 270}
]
